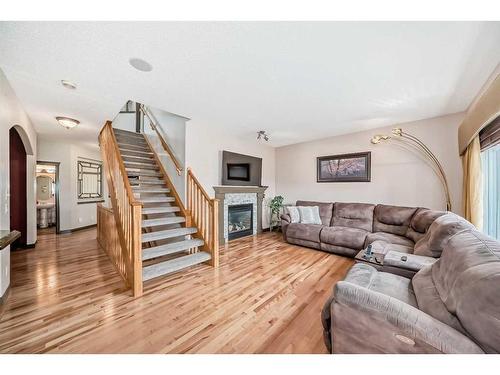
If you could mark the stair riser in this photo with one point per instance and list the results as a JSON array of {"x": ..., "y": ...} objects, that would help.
[
  {"x": 150, "y": 191},
  {"x": 159, "y": 222},
  {"x": 160, "y": 210},
  {"x": 141, "y": 173},
  {"x": 166, "y": 234},
  {"x": 174, "y": 265},
  {"x": 125, "y": 147},
  {"x": 136, "y": 159},
  {"x": 130, "y": 140},
  {"x": 136, "y": 153},
  {"x": 157, "y": 200},
  {"x": 140, "y": 166},
  {"x": 176, "y": 247}
]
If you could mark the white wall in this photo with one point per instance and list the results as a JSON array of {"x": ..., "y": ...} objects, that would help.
[
  {"x": 72, "y": 214},
  {"x": 125, "y": 121},
  {"x": 398, "y": 177},
  {"x": 174, "y": 133},
  {"x": 204, "y": 146},
  {"x": 12, "y": 114}
]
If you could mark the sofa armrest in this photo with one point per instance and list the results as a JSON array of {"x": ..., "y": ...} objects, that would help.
[
  {"x": 388, "y": 324},
  {"x": 407, "y": 261},
  {"x": 286, "y": 218}
]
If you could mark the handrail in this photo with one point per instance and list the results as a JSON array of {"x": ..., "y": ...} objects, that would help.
[
  {"x": 108, "y": 126},
  {"x": 154, "y": 125},
  {"x": 170, "y": 185},
  {"x": 204, "y": 215},
  {"x": 127, "y": 212}
]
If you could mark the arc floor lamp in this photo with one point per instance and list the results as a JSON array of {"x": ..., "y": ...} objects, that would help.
[{"x": 398, "y": 132}]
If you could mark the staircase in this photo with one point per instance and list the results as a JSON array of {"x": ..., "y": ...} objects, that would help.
[{"x": 167, "y": 239}]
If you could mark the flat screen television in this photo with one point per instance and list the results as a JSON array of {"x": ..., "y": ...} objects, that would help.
[{"x": 238, "y": 171}]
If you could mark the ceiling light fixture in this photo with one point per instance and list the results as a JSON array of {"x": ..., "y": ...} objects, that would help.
[
  {"x": 261, "y": 134},
  {"x": 67, "y": 122},
  {"x": 140, "y": 64},
  {"x": 68, "y": 84}
]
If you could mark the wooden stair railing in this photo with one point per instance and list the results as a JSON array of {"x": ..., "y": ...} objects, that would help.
[
  {"x": 204, "y": 215},
  {"x": 126, "y": 211},
  {"x": 166, "y": 147}
]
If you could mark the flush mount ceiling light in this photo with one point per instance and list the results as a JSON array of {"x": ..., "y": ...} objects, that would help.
[
  {"x": 67, "y": 122},
  {"x": 261, "y": 134},
  {"x": 140, "y": 64},
  {"x": 68, "y": 84}
]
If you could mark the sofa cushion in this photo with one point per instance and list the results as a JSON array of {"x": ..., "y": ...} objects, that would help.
[
  {"x": 293, "y": 214},
  {"x": 353, "y": 215},
  {"x": 304, "y": 243},
  {"x": 325, "y": 210},
  {"x": 342, "y": 236},
  {"x": 389, "y": 238},
  {"x": 467, "y": 279},
  {"x": 309, "y": 214},
  {"x": 308, "y": 232},
  {"x": 440, "y": 231},
  {"x": 383, "y": 247},
  {"x": 392, "y": 219},
  {"x": 395, "y": 286},
  {"x": 339, "y": 250},
  {"x": 421, "y": 221},
  {"x": 429, "y": 301}
]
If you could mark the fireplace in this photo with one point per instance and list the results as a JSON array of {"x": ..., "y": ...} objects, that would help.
[{"x": 239, "y": 221}]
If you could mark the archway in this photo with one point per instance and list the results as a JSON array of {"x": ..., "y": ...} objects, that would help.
[{"x": 18, "y": 183}]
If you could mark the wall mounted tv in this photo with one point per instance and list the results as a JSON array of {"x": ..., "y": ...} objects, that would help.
[
  {"x": 242, "y": 170},
  {"x": 238, "y": 171}
]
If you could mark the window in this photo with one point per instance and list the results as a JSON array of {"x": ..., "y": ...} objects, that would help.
[
  {"x": 490, "y": 162},
  {"x": 89, "y": 181}
]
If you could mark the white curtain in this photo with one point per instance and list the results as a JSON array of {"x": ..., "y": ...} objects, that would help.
[{"x": 490, "y": 160}]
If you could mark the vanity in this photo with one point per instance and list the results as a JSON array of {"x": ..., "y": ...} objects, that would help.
[{"x": 46, "y": 215}]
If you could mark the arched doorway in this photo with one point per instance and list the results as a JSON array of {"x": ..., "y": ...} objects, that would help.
[{"x": 18, "y": 193}]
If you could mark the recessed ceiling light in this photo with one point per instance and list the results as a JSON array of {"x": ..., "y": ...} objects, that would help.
[
  {"x": 140, "y": 64},
  {"x": 67, "y": 122},
  {"x": 68, "y": 84}
]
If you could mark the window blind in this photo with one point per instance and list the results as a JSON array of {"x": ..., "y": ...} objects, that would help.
[{"x": 490, "y": 135}]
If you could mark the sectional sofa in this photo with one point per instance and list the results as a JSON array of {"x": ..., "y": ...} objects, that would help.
[
  {"x": 451, "y": 306},
  {"x": 347, "y": 228},
  {"x": 448, "y": 303}
]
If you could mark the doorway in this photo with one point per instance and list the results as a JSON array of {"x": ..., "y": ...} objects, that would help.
[
  {"x": 18, "y": 185},
  {"x": 47, "y": 197}
]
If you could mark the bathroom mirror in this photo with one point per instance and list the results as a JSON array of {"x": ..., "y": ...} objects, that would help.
[{"x": 43, "y": 188}]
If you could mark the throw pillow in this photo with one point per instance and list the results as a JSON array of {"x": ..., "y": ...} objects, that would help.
[
  {"x": 293, "y": 211},
  {"x": 309, "y": 215}
]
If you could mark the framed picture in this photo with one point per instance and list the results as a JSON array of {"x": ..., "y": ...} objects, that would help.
[{"x": 344, "y": 168}]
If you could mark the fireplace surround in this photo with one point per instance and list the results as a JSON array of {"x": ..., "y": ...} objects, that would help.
[
  {"x": 239, "y": 220},
  {"x": 239, "y": 195}
]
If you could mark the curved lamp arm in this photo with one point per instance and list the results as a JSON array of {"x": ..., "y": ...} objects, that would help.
[{"x": 398, "y": 132}]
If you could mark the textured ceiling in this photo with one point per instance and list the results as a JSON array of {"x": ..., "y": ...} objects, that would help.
[{"x": 296, "y": 80}]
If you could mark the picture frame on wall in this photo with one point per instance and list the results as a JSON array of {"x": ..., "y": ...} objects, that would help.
[{"x": 354, "y": 167}]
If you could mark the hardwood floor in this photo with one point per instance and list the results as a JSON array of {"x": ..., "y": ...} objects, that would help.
[{"x": 266, "y": 297}]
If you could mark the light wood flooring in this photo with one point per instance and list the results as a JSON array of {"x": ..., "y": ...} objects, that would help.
[{"x": 266, "y": 297}]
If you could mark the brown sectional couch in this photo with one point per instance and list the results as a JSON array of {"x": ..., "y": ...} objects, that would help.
[
  {"x": 436, "y": 291},
  {"x": 348, "y": 228},
  {"x": 449, "y": 306}
]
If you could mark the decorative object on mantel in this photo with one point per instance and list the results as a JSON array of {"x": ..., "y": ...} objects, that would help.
[
  {"x": 261, "y": 134},
  {"x": 275, "y": 205},
  {"x": 353, "y": 167},
  {"x": 414, "y": 141}
]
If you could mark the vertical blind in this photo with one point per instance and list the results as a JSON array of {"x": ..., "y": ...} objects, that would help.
[{"x": 490, "y": 160}]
